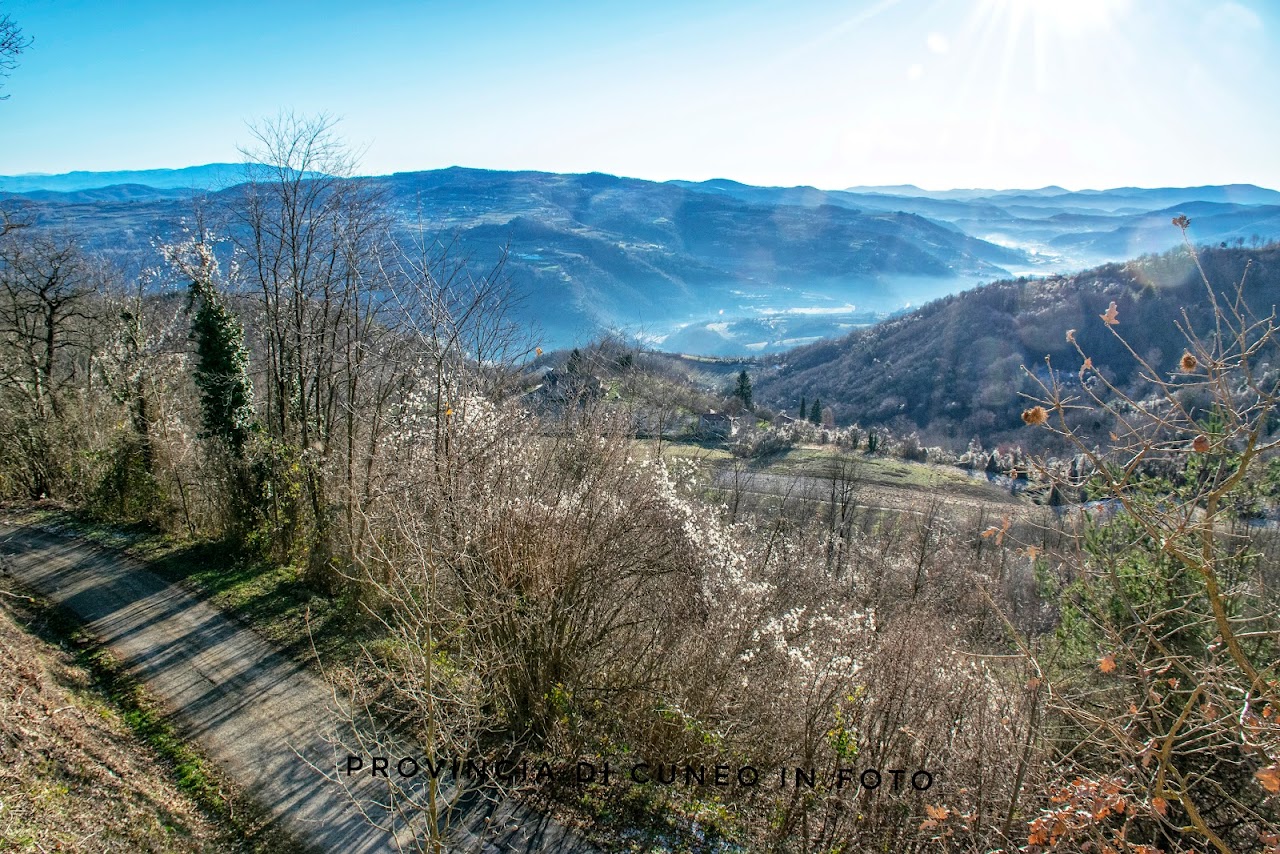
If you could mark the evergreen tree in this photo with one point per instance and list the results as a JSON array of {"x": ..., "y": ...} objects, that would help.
[
  {"x": 222, "y": 365},
  {"x": 804, "y": 413},
  {"x": 815, "y": 411},
  {"x": 993, "y": 464},
  {"x": 574, "y": 366},
  {"x": 743, "y": 391}
]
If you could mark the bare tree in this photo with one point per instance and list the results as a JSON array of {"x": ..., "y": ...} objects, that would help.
[
  {"x": 353, "y": 312},
  {"x": 46, "y": 286},
  {"x": 928, "y": 528},
  {"x": 309, "y": 241},
  {"x": 844, "y": 480},
  {"x": 12, "y": 44},
  {"x": 7, "y": 224}
]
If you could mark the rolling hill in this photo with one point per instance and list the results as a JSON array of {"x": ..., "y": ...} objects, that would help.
[{"x": 954, "y": 368}]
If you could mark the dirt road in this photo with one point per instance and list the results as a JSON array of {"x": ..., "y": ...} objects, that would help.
[{"x": 266, "y": 722}]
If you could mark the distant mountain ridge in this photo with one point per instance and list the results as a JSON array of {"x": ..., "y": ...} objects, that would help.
[
  {"x": 716, "y": 267},
  {"x": 911, "y": 190},
  {"x": 216, "y": 176},
  {"x": 1249, "y": 194},
  {"x": 211, "y": 176},
  {"x": 1062, "y": 230},
  {"x": 594, "y": 252}
]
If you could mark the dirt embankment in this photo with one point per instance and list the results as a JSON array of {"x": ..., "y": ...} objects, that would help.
[{"x": 73, "y": 776}]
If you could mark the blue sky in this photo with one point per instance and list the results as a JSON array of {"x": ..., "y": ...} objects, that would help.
[{"x": 993, "y": 93}]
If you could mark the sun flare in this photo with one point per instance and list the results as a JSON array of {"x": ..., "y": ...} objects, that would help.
[{"x": 1065, "y": 17}]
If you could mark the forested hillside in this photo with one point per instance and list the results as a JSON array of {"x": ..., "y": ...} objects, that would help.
[{"x": 954, "y": 369}]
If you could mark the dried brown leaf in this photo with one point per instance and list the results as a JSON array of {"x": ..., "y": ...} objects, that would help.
[
  {"x": 1269, "y": 778},
  {"x": 1111, "y": 315}
]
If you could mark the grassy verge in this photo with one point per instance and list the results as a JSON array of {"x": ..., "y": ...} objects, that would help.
[
  {"x": 880, "y": 471},
  {"x": 704, "y": 452},
  {"x": 817, "y": 461}
]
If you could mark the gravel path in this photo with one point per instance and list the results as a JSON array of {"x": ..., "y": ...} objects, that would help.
[{"x": 269, "y": 724}]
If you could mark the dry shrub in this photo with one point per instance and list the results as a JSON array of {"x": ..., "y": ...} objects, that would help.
[{"x": 1164, "y": 672}]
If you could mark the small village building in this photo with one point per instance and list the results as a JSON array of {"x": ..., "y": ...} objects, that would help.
[{"x": 717, "y": 425}]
